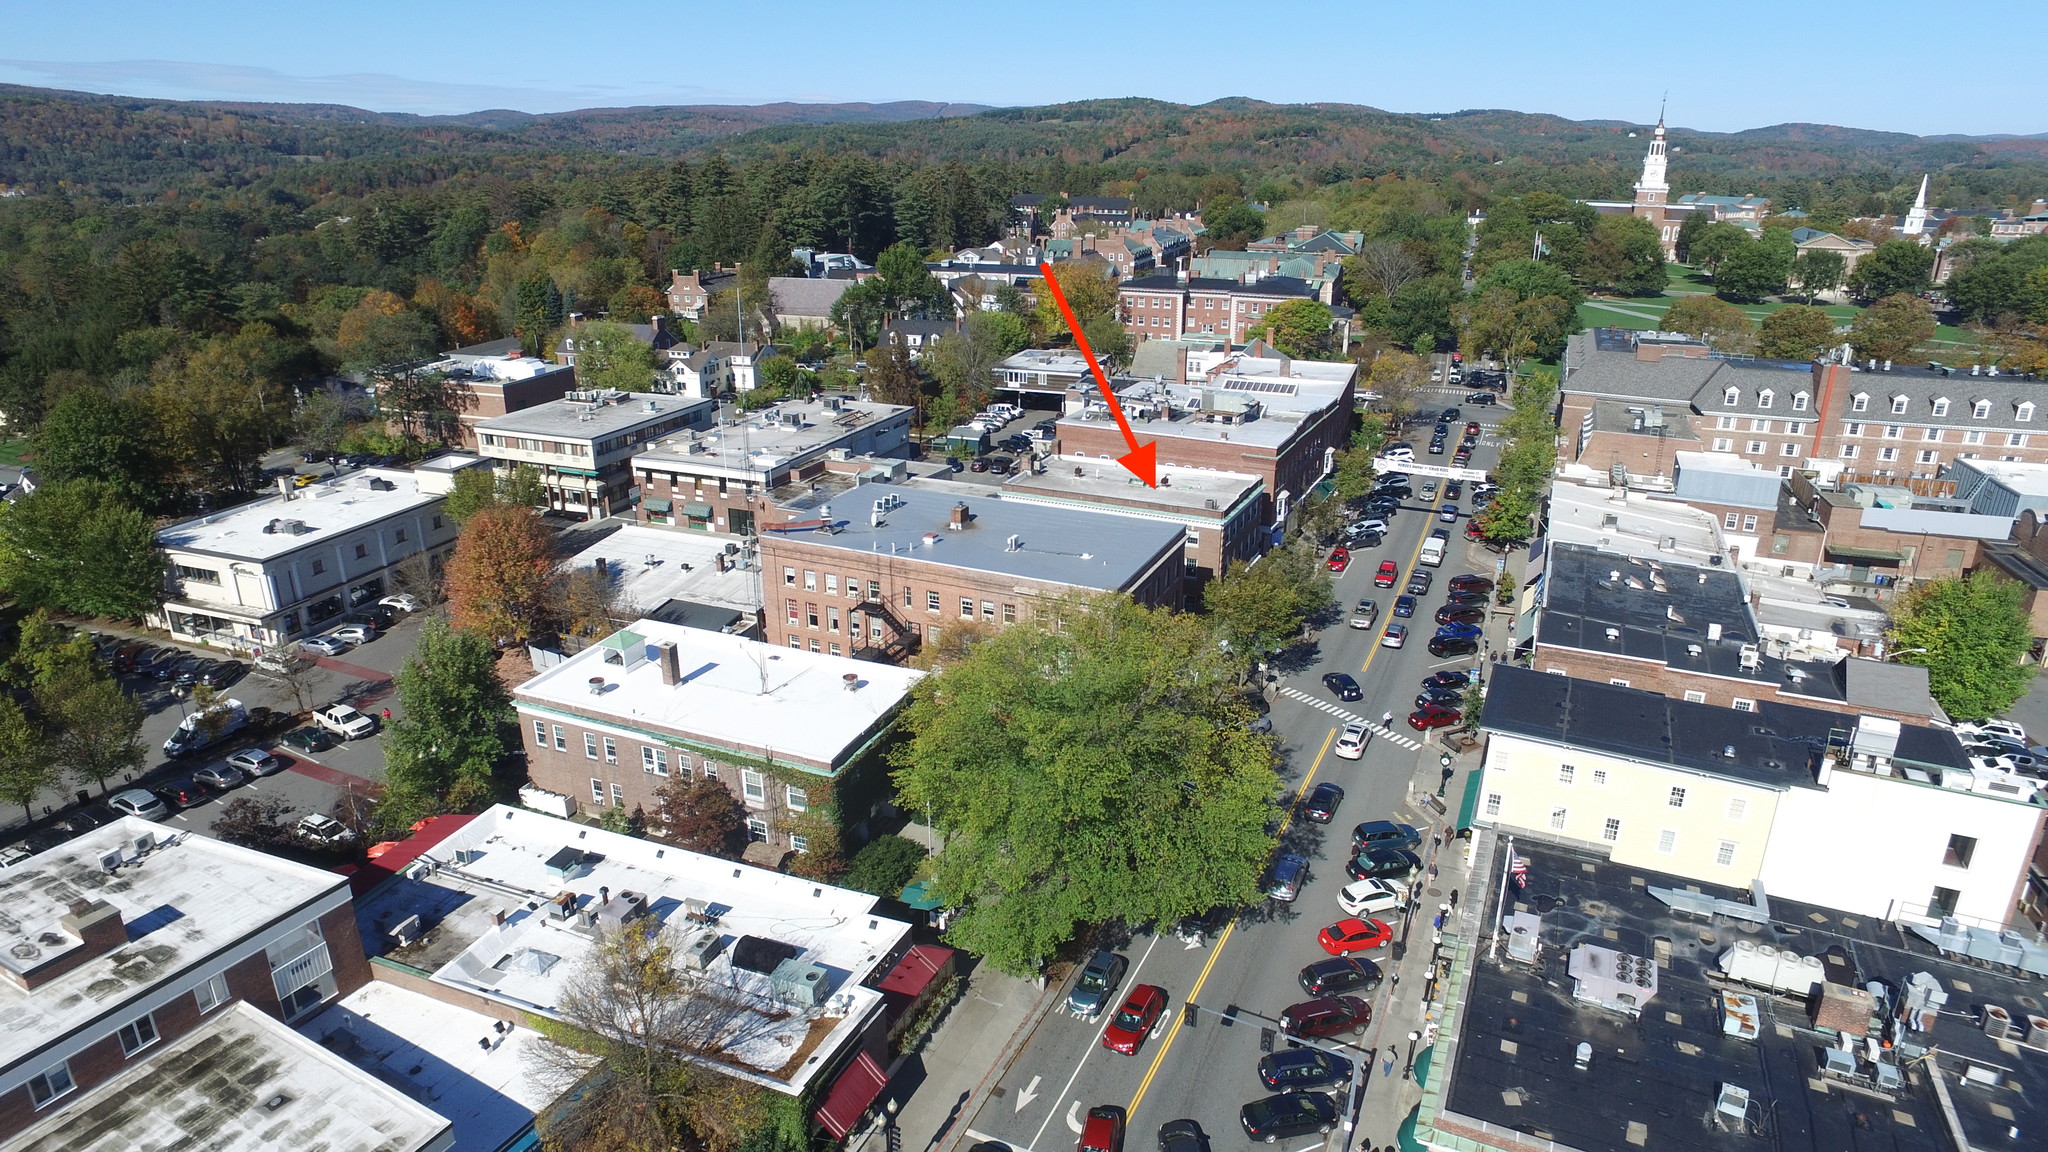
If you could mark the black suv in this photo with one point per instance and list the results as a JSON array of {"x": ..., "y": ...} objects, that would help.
[
  {"x": 1383, "y": 864},
  {"x": 1289, "y": 1114},
  {"x": 1452, "y": 646},
  {"x": 1338, "y": 975},
  {"x": 1297, "y": 1068}
]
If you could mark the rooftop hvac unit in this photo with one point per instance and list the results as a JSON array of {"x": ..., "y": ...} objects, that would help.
[
  {"x": 1997, "y": 1022},
  {"x": 798, "y": 982},
  {"x": 2037, "y": 1033},
  {"x": 700, "y": 952},
  {"x": 407, "y": 931},
  {"x": 110, "y": 861},
  {"x": 1731, "y": 1108}
]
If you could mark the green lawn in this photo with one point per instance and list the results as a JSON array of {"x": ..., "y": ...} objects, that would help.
[
  {"x": 11, "y": 449},
  {"x": 1646, "y": 313}
]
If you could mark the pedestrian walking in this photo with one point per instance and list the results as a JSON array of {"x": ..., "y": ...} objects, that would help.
[
  {"x": 1387, "y": 720},
  {"x": 1454, "y": 898}
]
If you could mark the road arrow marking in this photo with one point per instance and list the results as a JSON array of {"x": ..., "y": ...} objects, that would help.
[
  {"x": 1071, "y": 1121},
  {"x": 1029, "y": 1094}
]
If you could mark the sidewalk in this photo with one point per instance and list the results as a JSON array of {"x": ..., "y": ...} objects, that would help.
[{"x": 940, "y": 1087}]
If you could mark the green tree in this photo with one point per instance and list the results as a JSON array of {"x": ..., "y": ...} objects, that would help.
[
  {"x": 424, "y": 405},
  {"x": 1898, "y": 267},
  {"x": 224, "y": 405},
  {"x": 76, "y": 546},
  {"x": 608, "y": 355},
  {"x": 859, "y": 312},
  {"x": 1624, "y": 254},
  {"x": 91, "y": 434},
  {"x": 441, "y": 752},
  {"x": 1796, "y": 332},
  {"x": 96, "y": 726},
  {"x": 27, "y": 767},
  {"x": 1089, "y": 764},
  {"x": 1722, "y": 325},
  {"x": 474, "y": 490},
  {"x": 326, "y": 416},
  {"x": 1717, "y": 242},
  {"x": 907, "y": 287},
  {"x": 883, "y": 866},
  {"x": 1892, "y": 328},
  {"x": 1231, "y": 224},
  {"x": 1299, "y": 328},
  {"x": 1970, "y": 633},
  {"x": 1817, "y": 272},
  {"x": 1757, "y": 269}
]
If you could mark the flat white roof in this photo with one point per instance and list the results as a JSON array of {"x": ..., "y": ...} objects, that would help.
[
  {"x": 430, "y": 1050},
  {"x": 2022, "y": 477},
  {"x": 779, "y": 703},
  {"x": 505, "y": 367},
  {"x": 327, "y": 509},
  {"x": 1579, "y": 515},
  {"x": 518, "y": 863},
  {"x": 240, "y": 1082},
  {"x": 1726, "y": 463},
  {"x": 185, "y": 899},
  {"x": 771, "y": 437},
  {"x": 594, "y": 415},
  {"x": 651, "y": 566},
  {"x": 1198, "y": 490}
]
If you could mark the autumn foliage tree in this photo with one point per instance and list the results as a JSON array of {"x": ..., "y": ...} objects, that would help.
[
  {"x": 700, "y": 815},
  {"x": 501, "y": 578}
]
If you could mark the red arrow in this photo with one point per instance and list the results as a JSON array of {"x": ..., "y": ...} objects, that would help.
[{"x": 1141, "y": 461}]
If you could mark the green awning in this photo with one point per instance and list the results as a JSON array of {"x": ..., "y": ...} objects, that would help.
[
  {"x": 658, "y": 505},
  {"x": 919, "y": 896},
  {"x": 697, "y": 511},
  {"x": 1470, "y": 806},
  {"x": 1892, "y": 554}
]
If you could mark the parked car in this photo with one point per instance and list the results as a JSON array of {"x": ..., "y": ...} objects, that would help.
[
  {"x": 403, "y": 601},
  {"x": 1387, "y": 575},
  {"x": 1340, "y": 559},
  {"x": 1483, "y": 399},
  {"x": 138, "y": 802},
  {"x": 1097, "y": 984},
  {"x": 1382, "y": 864},
  {"x": 173, "y": 665},
  {"x": 355, "y": 633},
  {"x": 256, "y": 762},
  {"x": 1469, "y": 599},
  {"x": 15, "y": 854},
  {"x": 220, "y": 673},
  {"x": 1285, "y": 878},
  {"x": 1288, "y": 1114},
  {"x": 1322, "y": 803},
  {"x": 1351, "y": 744},
  {"x": 1460, "y": 614},
  {"x": 1181, "y": 1136},
  {"x": 1434, "y": 716},
  {"x": 220, "y": 777},
  {"x": 324, "y": 645},
  {"x": 1459, "y": 679},
  {"x": 1297, "y": 1068},
  {"x": 1469, "y": 583},
  {"x": 1385, "y": 834},
  {"x": 87, "y": 818},
  {"x": 344, "y": 721},
  {"x": 276, "y": 661},
  {"x": 1468, "y": 631},
  {"x": 322, "y": 831},
  {"x": 184, "y": 793},
  {"x": 308, "y": 740},
  {"x": 1369, "y": 897},
  {"x": 1418, "y": 582},
  {"x": 1395, "y": 636},
  {"x": 1370, "y": 524},
  {"x": 1365, "y": 615},
  {"x": 1449, "y": 414},
  {"x": 1103, "y": 1130},
  {"x": 1337, "y": 975},
  {"x": 1353, "y": 934},
  {"x": 1343, "y": 685},
  {"x": 1441, "y": 646},
  {"x": 1447, "y": 697},
  {"x": 1141, "y": 1013},
  {"x": 1325, "y": 1016},
  {"x": 1404, "y": 605},
  {"x": 128, "y": 657}
]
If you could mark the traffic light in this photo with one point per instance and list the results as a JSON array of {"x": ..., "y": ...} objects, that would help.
[{"x": 1189, "y": 1013}]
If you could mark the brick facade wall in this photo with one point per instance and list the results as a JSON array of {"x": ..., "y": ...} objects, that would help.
[
  {"x": 1291, "y": 468},
  {"x": 1676, "y": 682}
]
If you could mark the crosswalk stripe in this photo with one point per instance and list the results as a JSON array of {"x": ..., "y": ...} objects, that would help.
[{"x": 1294, "y": 693}]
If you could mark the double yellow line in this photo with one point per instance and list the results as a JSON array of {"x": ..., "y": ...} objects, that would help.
[{"x": 1217, "y": 952}]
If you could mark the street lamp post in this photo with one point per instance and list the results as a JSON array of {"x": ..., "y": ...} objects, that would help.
[{"x": 1409, "y": 1071}]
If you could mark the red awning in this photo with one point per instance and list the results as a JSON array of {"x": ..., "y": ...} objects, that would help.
[
  {"x": 918, "y": 968},
  {"x": 852, "y": 1095}
]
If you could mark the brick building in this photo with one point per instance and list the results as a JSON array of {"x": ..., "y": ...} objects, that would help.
[
  {"x": 1253, "y": 411},
  {"x": 1691, "y": 633},
  {"x": 1875, "y": 421},
  {"x": 132, "y": 936},
  {"x": 583, "y": 445},
  {"x": 494, "y": 379},
  {"x": 656, "y": 702},
  {"x": 1168, "y": 306},
  {"x": 886, "y": 567},
  {"x": 1219, "y": 511},
  {"x": 730, "y": 477}
]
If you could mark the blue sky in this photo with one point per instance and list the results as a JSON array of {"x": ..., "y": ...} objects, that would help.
[{"x": 1861, "y": 65}]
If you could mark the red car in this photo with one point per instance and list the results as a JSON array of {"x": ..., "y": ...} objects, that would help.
[
  {"x": 1340, "y": 559},
  {"x": 1135, "y": 1020},
  {"x": 1434, "y": 716},
  {"x": 1354, "y": 935},
  {"x": 1471, "y": 427},
  {"x": 1389, "y": 573}
]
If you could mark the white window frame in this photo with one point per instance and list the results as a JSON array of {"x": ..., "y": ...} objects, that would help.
[
  {"x": 1742, "y": 705},
  {"x": 1667, "y": 841},
  {"x": 1738, "y": 808},
  {"x": 1675, "y": 798},
  {"x": 798, "y": 842},
  {"x": 1559, "y": 817},
  {"x": 212, "y": 994},
  {"x": 540, "y": 733},
  {"x": 1940, "y": 406},
  {"x": 611, "y": 750},
  {"x": 596, "y": 791},
  {"x": 1599, "y": 775},
  {"x": 1731, "y": 397},
  {"x": 1788, "y": 449},
  {"x": 1693, "y": 696},
  {"x": 2024, "y": 413},
  {"x": 1730, "y": 519},
  {"x": 757, "y": 829},
  {"x": 1849, "y": 451},
  {"x": 1724, "y": 854},
  {"x": 1795, "y": 427},
  {"x": 653, "y": 761},
  {"x": 1981, "y": 410},
  {"x": 138, "y": 1034},
  {"x": 1898, "y": 405},
  {"x": 52, "y": 1083},
  {"x": 753, "y": 788},
  {"x": 1493, "y": 800},
  {"x": 1725, "y": 423},
  {"x": 1610, "y": 830},
  {"x": 1565, "y": 772},
  {"x": 590, "y": 745},
  {"x": 796, "y": 799},
  {"x": 1926, "y": 456},
  {"x": 1799, "y": 401},
  {"x": 1764, "y": 398},
  {"x": 1724, "y": 444},
  {"x": 1755, "y": 447},
  {"x": 1860, "y": 402}
]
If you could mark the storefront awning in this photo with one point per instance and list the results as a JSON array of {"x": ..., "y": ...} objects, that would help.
[
  {"x": 657, "y": 505},
  {"x": 697, "y": 511},
  {"x": 851, "y": 1095},
  {"x": 1893, "y": 554}
]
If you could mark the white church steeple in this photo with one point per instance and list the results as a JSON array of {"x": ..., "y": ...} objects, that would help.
[
  {"x": 1916, "y": 220},
  {"x": 1652, "y": 188}
]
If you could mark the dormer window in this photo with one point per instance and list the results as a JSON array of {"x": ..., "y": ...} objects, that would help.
[
  {"x": 1799, "y": 401},
  {"x": 1763, "y": 398},
  {"x": 1860, "y": 402},
  {"x": 1731, "y": 397},
  {"x": 1981, "y": 410},
  {"x": 2024, "y": 412},
  {"x": 1941, "y": 406},
  {"x": 1898, "y": 405}
]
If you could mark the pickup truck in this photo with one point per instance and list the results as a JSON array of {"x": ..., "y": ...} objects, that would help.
[
  {"x": 206, "y": 728},
  {"x": 344, "y": 721}
]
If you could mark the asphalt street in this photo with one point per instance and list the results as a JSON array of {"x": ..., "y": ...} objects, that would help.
[{"x": 1245, "y": 967}]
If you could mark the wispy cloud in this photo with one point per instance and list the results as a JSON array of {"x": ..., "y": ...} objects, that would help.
[{"x": 376, "y": 91}]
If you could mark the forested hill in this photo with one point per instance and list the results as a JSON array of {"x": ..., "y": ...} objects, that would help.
[{"x": 115, "y": 147}]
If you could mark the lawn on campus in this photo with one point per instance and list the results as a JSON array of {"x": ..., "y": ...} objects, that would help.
[{"x": 1647, "y": 312}]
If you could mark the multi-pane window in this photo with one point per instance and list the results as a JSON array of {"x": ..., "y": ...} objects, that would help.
[
  {"x": 1849, "y": 451},
  {"x": 590, "y": 745},
  {"x": 653, "y": 761},
  {"x": 1887, "y": 453},
  {"x": 1799, "y": 401},
  {"x": 1009, "y": 613},
  {"x": 1677, "y": 798},
  {"x": 831, "y": 619},
  {"x": 1723, "y": 444},
  {"x": 2024, "y": 413},
  {"x": 810, "y": 580},
  {"x": 1724, "y": 855},
  {"x": 137, "y": 1034},
  {"x": 1611, "y": 830},
  {"x": 540, "y": 734},
  {"x": 618, "y": 795},
  {"x": 1859, "y": 402},
  {"x": 1695, "y": 697},
  {"x": 988, "y": 611},
  {"x": 1941, "y": 406},
  {"x": 1741, "y": 705},
  {"x": 795, "y": 798},
  {"x": 753, "y": 786},
  {"x": 966, "y": 608},
  {"x": 710, "y": 769},
  {"x": 1667, "y": 841},
  {"x": 1731, "y": 519},
  {"x": 1557, "y": 819},
  {"x": 561, "y": 739},
  {"x": 1981, "y": 410},
  {"x": 1755, "y": 446},
  {"x": 1898, "y": 405},
  {"x": 799, "y": 842},
  {"x": 757, "y": 830},
  {"x": 1493, "y": 803},
  {"x": 831, "y": 583},
  {"x": 1749, "y": 523},
  {"x": 211, "y": 994},
  {"x": 611, "y": 750},
  {"x": 50, "y": 1084},
  {"x": 596, "y": 790},
  {"x": 931, "y": 601},
  {"x": 1795, "y": 427},
  {"x": 1893, "y": 432}
]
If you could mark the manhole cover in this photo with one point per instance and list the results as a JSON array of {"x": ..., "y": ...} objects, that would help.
[{"x": 1436, "y": 891}]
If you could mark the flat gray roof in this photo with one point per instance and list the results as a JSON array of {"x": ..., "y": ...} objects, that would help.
[
  {"x": 327, "y": 509},
  {"x": 1055, "y": 545},
  {"x": 1085, "y": 478},
  {"x": 598, "y": 414},
  {"x": 764, "y": 440}
]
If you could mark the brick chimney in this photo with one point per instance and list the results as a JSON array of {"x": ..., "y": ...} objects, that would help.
[
  {"x": 959, "y": 518},
  {"x": 98, "y": 927},
  {"x": 671, "y": 663}
]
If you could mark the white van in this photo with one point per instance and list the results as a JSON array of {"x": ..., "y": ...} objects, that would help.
[{"x": 1433, "y": 551}]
